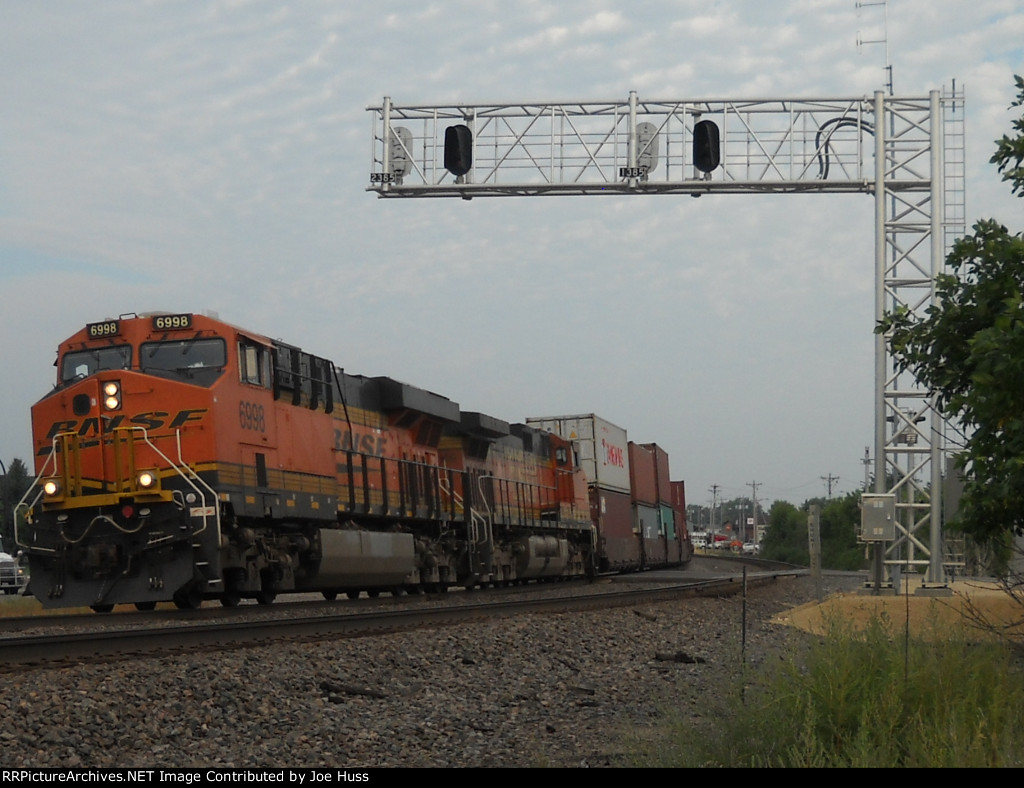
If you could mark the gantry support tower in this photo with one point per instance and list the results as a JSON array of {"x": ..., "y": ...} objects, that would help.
[{"x": 905, "y": 151}]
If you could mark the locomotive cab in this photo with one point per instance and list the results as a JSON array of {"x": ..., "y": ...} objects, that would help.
[{"x": 117, "y": 512}]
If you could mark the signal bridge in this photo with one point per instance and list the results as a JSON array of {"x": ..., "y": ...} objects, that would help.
[
  {"x": 906, "y": 152},
  {"x": 643, "y": 147}
]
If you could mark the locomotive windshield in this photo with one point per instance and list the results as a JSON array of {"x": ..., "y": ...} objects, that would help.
[
  {"x": 83, "y": 363},
  {"x": 198, "y": 361}
]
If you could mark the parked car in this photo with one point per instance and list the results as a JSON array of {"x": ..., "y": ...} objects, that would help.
[
  {"x": 12, "y": 574},
  {"x": 749, "y": 548}
]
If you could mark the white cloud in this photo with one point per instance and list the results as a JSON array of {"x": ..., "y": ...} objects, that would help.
[
  {"x": 215, "y": 156},
  {"x": 603, "y": 22}
]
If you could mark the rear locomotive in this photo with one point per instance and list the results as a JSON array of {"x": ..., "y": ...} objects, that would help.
[{"x": 180, "y": 458}]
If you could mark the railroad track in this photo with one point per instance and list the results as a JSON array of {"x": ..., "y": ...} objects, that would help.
[{"x": 115, "y": 638}]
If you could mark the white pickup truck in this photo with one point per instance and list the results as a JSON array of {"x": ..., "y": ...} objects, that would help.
[{"x": 12, "y": 574}]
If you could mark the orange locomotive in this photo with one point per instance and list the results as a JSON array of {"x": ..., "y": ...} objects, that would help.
[{"x": 181, "y": 458}]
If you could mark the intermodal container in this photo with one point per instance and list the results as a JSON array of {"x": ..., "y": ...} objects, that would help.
[
  {"x": 601, "y": 447},
  {"x": 681, "y": 549},
  {"x": 643, "y": 474},
  {"x": 648, "y": 521},
  {"x": 668, "y": 521},
  {"x": 682, "y": 527},
  {"x": 679, "y": 496},
  {"x": 618, "y": 545},
  {"x": 652, "y": 533},
  {"x": 662, "y": 473}
]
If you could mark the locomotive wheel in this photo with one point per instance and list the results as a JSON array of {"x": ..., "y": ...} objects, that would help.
[
  {"x": 352, "y": 594},
  {"x": 266, "y": 597},
  {"x": 102, "y": 608},
  {"x": 231, "y": 598},
  {"x": 330, "y": 596},
  {"x": 145, "y": 606}
]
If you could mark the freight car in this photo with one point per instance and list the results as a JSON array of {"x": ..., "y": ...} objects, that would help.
[
  {"x": 639, "y": 514},
  {"x": 180, "y": 458}
]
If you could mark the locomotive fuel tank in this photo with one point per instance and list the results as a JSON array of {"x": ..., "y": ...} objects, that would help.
[
  {"x": 362, "y": 559},
  {"x": 541, "y": 556}
]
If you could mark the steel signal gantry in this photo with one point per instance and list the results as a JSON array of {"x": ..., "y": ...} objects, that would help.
[{"x": 907, "y": 152}]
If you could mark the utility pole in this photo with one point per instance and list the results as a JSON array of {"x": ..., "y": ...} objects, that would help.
[
  {"x": 866, "y": 462},
  {"x": 814, "y": 547},
  {"x": 828, "y": 482},
  {"x": 753, "y": 490},
  {"x": 714, "y": 504}
]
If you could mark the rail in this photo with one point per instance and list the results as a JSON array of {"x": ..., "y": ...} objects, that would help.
[{"x": 173, "y": 632}]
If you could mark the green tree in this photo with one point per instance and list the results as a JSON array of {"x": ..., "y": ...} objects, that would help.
[
  {"x": 969, "y": 349},
  {"x": 786, "y": 536},
  {"x": 12, "y": 486},
  {"x": 839, "y": 546}
]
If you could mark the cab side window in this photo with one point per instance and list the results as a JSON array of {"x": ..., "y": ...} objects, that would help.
[{"x": 253, "y": 363}]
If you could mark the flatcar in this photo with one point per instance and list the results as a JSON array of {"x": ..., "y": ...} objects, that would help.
[{"x": 180, "y": 458}]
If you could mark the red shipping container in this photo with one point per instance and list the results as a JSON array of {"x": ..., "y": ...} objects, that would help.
[
  {"x": 643, "y": 480},
  {"x": 664, "y": 486},
  {"x": 618, "y": 545}
]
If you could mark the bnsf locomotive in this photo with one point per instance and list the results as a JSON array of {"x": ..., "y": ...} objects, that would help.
[{"x": 180, "y": 458}]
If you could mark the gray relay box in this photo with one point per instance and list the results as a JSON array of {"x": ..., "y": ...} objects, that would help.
[{"x": 877, "y": 518}]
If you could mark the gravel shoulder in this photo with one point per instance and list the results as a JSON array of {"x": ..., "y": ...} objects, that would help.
[{"x": 532, "y": 691}]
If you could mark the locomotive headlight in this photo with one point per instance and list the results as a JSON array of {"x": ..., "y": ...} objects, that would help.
[
  {"x": 111, "y": 395},
  {"x": 146, "y": 479},
  {"x": 51, "y": 488}
]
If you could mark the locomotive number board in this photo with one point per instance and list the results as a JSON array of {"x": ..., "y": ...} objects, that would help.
[
  {"x": 108, "y": 328},
  {"x": 172, "y": 322}
]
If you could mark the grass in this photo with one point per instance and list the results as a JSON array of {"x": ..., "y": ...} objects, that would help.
[
  {"x": 15, "y": 605},
  {"x": 864, "y": 699}
]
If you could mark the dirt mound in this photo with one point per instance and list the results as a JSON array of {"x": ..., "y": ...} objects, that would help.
[{"x": 977, "y": 606}]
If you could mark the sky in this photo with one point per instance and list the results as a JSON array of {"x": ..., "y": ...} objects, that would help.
[{"x": 215, "y": 157}]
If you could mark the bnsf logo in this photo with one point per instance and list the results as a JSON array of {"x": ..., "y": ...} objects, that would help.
[
  {"x": 613, "y": 455},
  {"x": 153, "y": 420},
  {"x": 365, "y": 443}
]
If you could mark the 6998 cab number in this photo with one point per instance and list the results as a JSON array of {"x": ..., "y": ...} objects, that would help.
[{"x": 252, "y": 417}]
